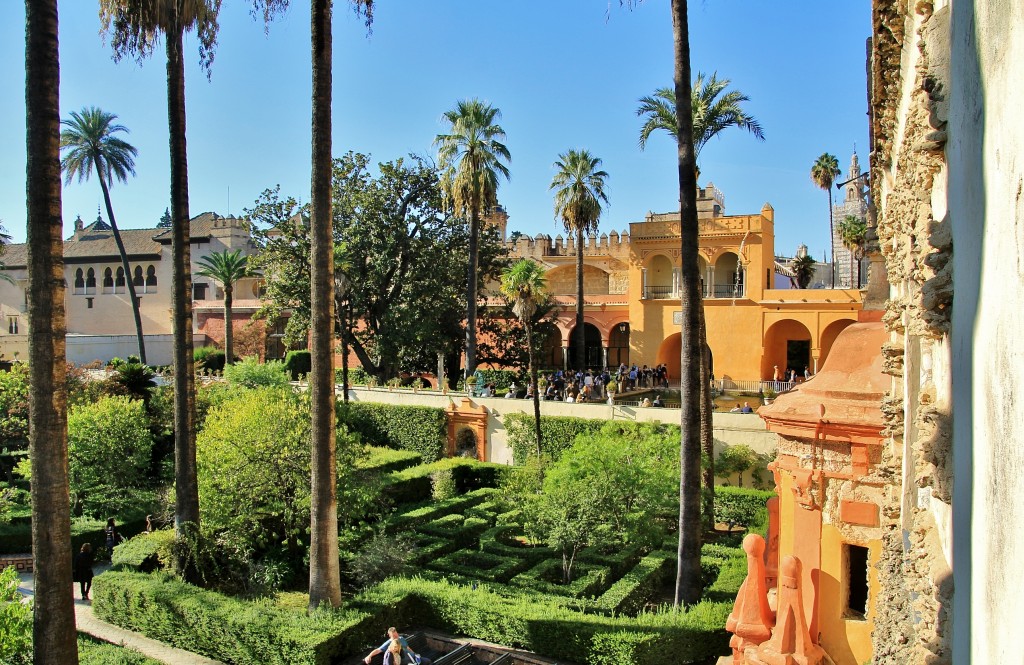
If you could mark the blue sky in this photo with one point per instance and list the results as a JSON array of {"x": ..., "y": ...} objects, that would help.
[{"x": 565, "y": 74}]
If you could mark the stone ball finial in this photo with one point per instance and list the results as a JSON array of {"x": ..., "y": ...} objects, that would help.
[{"x": 753, "y": 544}]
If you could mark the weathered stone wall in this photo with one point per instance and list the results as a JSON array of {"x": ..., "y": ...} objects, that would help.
[{"x": 910, "y": 88}]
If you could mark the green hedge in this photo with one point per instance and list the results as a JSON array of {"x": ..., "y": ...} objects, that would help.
[
  {"x": 17, "y": 538},
  {"x": 499, "y": 540},
  {"x": 413, "y": 485},
  {"x": 477, "y": 564},
  {"x": 434, "y": 510},
  {"x": 145, "y": 552},
  {"x": 618, "y": 562},
  {"x": 502, "y": 379},
  {"x": 225, "y": 628},
  {"x": 591, "y": 579},
  {"x": 93, "y": 652},
  {"x": 636, "y": 588},
  {"x": 422, "y": 429},
  {"x": 387, "y": 460},
  {"x": 298, "y": 363},
  {"x": 558, "y": 433},
  {"x": 738, "y": 506}
]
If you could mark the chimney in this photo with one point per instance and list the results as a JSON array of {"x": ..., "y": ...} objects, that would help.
[{"x": 79, "y": 224}]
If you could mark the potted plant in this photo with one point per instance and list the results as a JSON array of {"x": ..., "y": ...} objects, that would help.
[{"x": 769, "y": 395}]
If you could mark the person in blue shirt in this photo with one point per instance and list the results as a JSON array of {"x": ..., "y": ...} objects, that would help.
[{"x": 393, "y": 635}]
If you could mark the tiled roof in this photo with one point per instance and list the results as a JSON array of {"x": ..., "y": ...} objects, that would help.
[{"x": 96, "y": 241}]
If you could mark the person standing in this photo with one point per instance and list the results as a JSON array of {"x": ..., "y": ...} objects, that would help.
[
  {"x": 112, "y": 537},
  {"x": 393, "y": 637},
  {"x": 82, "y": 570}
]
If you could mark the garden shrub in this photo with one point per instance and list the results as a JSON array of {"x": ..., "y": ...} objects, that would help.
[
  {"x": 421, "y": 429},
  {"x": 383, "y": 556},
  {"x": 14, "y": 407},
  {"x": 251, "y": 373},
  {"x": 145, "y": 552},
  {"x": 15, "y": 621},
  {"x": 501, "y": 540},
  {"x": 94, "y": 652},
  {"x": 434, "y": 510},
  {"x": 298, "y": 363},
  {"x": 109, "y": 449},
  {"x": 477, "y": 564},
  {"x": 357, "y": 376},
  {"x": 386, "y": 460},
  {"x": 589, "y": 579},
  {"x": 413, "y": 485},
  {"x": 737, "y": 506},
  {"x": 442, "y": 484},
  {"x": 17, "y": 538},
  {"x": 208, "y": 358},
  {"x": 502, "y": 379},
  {"x": 558, "y": 433},
  {"x": 618, "y": 558}
]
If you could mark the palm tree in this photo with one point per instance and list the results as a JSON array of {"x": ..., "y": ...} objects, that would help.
[
  {"x": 135, "y": 27},
  {"x": 227, "y": 268},
  {"x": 472, "y": 158},
  {"x": 524, "y": 286},
  {"x": 579, "y": 192},
  {"x": 804, "y": 267},
  {"x": 714, "y": 109},
  {"x": 823, "y": 173},
  {"x": 53, "y": 630},
  {"x": 89, "y": 142},
  {"x": 853, "y": 232},
  {"x": 688, "y": 576}
]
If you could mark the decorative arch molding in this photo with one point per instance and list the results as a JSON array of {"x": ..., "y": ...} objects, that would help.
[
  {"x": 648, "y": 255},
  {"x": 466, "y": 416}
]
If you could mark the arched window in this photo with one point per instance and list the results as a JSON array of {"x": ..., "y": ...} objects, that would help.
[
  {"x": 150, "y": 279},
  {"x": 119, "y": 281},
  {"x": 108, "y": 280},
  {"x": 90, "y": 282},
  {"x": 138, "y": 281},
  {"x": 79, "y": 282}
]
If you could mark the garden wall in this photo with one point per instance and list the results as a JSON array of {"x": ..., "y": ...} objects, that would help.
[{"x": 730, "y": 428}]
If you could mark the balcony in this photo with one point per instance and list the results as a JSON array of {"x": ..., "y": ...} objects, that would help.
[{"x": 717, "y": 291}]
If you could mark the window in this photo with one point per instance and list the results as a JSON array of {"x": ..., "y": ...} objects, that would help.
[
  {"x": 108, "y": 281},
  {"x": 138, "y": 281},
  {"x": 88, "y": 303},
  {"x": 150, "y": 279},
  {"x": 90, "y": 282},
  {"x": 119, "y": 281},
  {"x": 12, "y": 325},
  {"x": 79, "y": 282},
  {"x": 856, "y": 581},
  {"x": 199, "y": 291}
]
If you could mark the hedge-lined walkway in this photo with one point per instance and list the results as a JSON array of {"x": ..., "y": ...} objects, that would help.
[{"x": 89, "y": 624}]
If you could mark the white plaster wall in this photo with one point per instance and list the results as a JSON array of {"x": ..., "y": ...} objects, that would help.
[
  {"x": 83, "y": 349},
  {"x": 729, "y": 428},
  {"x": 986, "y": 162}
]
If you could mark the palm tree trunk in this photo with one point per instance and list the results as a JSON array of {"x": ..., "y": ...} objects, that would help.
[
  {"x": 324, "y": 567},
  {"x": 533, "y": 380},
  {"x": 831, "y": 235},
  {"x": 53, "y": 628},
  {"x": 229, "y": 332},
  {"x": 471, "y": 290},
  {"x": 707, "y": 435},
  {"x": 581, "y": 337},
  {"x": 688, "y": 578},
  {"x": 186, "y": 507},
  {"x": 124, "y": 263}
]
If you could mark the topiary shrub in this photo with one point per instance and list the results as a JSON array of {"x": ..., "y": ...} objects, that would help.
[
  {"x": 418, "y": 428},
  {"x": 145, "y": 552},
  {"x": 251, "y": 373},
  {"x": 208, "y": 358},
  {"x": 298, "y": 363}
]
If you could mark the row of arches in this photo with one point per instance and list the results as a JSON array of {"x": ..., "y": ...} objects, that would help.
[
  {"x": 113, "y": 281},
  {"x": 560, "y": 351},
  {"x": 723, "y": 279}
]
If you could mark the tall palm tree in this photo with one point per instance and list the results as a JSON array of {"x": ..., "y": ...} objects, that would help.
[
  {"x": 579, "y": 192},
  {"x": 524, "y": 286},
  {"x": 714, "y": 109},
  {"x": 804, "y": 267},
  {"x": 688, "y": 577},
  {"x": 135, "y": 27},
  {"x": 472, "y": 158},
  {"x": 90, "y": 142},
  {"x": 853, "y": 232},
  {"x": 53, "y": 630},
  {"x": 824, "y": 172},
  {"x": 227, "y": 268}
]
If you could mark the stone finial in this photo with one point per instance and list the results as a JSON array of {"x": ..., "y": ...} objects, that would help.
[
  {"x": 771, "y": 553},
  {"x": 791, "y": 642},
  {"x": 751, "y": 619}
]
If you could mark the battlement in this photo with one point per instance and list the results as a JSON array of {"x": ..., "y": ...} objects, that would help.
[{"x": 543, "y": 245}]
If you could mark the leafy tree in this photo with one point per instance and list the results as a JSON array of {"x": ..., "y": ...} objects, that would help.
[
  {"x": 54, "y": 622},
  {"x": 15, "y": 621},
  {"x": 823, "y": 174},
  {"x": 579, "y": 192},
  {"x": 226, "y": 267},
  {"x": 472, "y": 158},
  {"x": 736, "y": 459},
  {"x": 853, "y": 232},
  {"x": 608, "y": 489},
  {"x": 14, "y": 413},
  {"x": 525, "y": 287},
  {"x": 804, "y": 268},
  {"x": 90, "y": 142},
  {"x": 109, "y": 450},
  {"x": 714, "y": 110}
]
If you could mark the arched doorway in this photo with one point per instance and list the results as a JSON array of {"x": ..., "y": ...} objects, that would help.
[
  {"x": 591, "y": 344},
  {"x": 828, "y": 336},
  {"x": 728, "y": 277},
  {"x": 549, "y": 344},
  {"x": 618, "y": 345},
  {"x": 670, "y": 352},
  {"x": 787, "y": 345}
]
